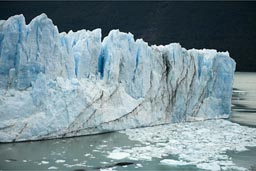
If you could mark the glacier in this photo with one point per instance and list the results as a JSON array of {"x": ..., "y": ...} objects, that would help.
[{"x": 55, "y": 85}]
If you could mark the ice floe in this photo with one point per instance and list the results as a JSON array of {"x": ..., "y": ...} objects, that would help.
[
  {"x": 118, "y": 155},
  {"x": 44, "y": 162},
  {"x": 60, "y": 161},
  {"x": 173, "y": 162},
  {"x": 203, "y": 144},
  {"x": 52, "y": 168}
]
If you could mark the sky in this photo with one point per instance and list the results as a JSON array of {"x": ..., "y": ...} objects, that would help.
[{"x": 225, "y": 26}]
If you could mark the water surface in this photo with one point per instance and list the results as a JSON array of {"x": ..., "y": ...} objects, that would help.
[{"x": 244, "y": 98}]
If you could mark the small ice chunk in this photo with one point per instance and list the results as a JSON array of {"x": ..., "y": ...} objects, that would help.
[
  {"x": 75, "y": 165},
  {"x": 60, "y": 161},
  {"x": 241, "y": 148},
  {"x": 209, "y": 166},
  {"x": 139, "y": 165},
  {"x": 174, "y": 162},
  {"x": 118, "y": 155},
  {"x": 52, "y": 168},
  {"x": 44, "y": 162},
  {"x": 107, "y": 169}
]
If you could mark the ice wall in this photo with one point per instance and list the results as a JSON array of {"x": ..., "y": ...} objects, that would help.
[{"x": 68, "y": 84}]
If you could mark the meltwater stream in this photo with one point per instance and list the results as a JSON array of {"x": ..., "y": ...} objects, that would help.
[{"x": 206, "y": 145}]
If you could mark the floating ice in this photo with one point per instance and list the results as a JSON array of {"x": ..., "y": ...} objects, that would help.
[
  {"x": 87, "y": 155},
  {"x": 52, "y": 168},
  {"x": 60, "y": 161},
  {"x": 139, "y": 165},
  {"x": 174, "y": 162},
  {"x": 118, "y": 155},
  {"x": 82, "y": 164},
  {"x": 108, "y": 169},
  {"x": 69, "y": 84},
  {"x": 44, "y": 162},
  {"x": 203, "y": 144},
  {"x": 214, "y": 166}
]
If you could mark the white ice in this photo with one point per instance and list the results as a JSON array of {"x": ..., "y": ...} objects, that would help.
[
  {"x": 118, "y": 155},
  {"x": 55, "y": 85},
  {"x": 60, "y": 161},
  {"x": 203, "y": 144}
]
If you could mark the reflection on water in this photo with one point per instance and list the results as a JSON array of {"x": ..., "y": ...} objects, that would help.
[
  {"x": 244, "y": 99},
  {"x": 90, "y": 152}
]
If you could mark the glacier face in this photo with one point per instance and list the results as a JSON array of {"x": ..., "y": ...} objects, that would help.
[{"x": 69, "y": 84}]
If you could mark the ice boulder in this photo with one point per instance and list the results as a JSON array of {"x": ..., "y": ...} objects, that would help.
[{"x": 55, "y": 85}]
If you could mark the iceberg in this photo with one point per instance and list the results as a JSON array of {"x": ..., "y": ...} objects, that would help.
[{"x": 55, "y": 85}]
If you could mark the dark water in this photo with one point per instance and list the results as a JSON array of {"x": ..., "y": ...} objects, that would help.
[
  {"x": 74, "y": 153},
  {"x": 244, "y": 99},
  {"x": 244, "y": 113},
  {"x": 246, "y": 159},
  {"x": 90, "y": 152},
  {"x": 84, "y": 151}
]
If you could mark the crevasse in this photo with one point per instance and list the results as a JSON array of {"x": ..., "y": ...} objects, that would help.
[{"x": 56, "y": 85}]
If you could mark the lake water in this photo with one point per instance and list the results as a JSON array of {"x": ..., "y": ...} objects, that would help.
[
  {"x": 212, "y": 145},
  {"x": 244, "y": 99}
]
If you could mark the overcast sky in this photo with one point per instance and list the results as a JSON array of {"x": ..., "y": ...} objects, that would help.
[{"x": 225, "y": 26}]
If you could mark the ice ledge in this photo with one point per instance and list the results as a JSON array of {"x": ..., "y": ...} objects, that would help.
[{"x": 68, "y": 84}]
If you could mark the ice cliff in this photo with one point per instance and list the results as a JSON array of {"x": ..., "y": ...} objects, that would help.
[{"x": 69, "y": 84}]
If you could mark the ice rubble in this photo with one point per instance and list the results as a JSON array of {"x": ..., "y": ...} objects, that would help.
[
  {"x": 68, "y": 84},
  {"x": 203, "y": 144}
]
